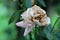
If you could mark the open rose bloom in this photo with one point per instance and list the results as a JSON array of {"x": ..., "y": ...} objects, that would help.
[{"x": 31, "y": 17}]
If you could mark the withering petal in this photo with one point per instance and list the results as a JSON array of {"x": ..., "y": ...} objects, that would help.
[
  {"x": 21, "y": 24},
  {"x": 45, "y": 21},
  {"x": 37, "y": 8},
  {"x": 28, "y": 29},
  {"x": 28, "y": 13}
]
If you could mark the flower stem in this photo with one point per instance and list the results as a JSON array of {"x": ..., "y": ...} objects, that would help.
[
  {"x": 55, "y": 23},
  {"x": 30, "y": 36}
]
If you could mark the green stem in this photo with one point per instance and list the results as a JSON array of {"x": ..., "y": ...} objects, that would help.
[
  {"x": 55, "y": 23},
  {"x": 30, "y": 36}
]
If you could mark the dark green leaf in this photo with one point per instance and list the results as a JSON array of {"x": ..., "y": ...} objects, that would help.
[
  {"x": 41, "y": 2},
  {"x": 47, "y": 32},
  {"x": 28, "y": 3},
  {"x": 14, "y": 17},
  {"x": 43, "y": 33},
  {"x": 55, "y": 23},
  {"x": 56, "y": 31},
  {"x": 40, "y": 33}
]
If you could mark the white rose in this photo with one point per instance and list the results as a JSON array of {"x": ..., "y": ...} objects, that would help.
[{"x": 31, "y": 17}]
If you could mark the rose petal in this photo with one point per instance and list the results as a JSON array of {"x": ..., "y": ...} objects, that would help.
[
  {"x": 37, "y": 8},
  {"x": 45, "y": 21},
  {"x": 28, "y": 13},
  {"x": 21, "y": 24},
  {"x": 48, "y": 20},
  {"x": 28, "y": 29}
]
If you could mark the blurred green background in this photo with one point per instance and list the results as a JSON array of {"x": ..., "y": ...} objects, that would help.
[{"x": 10, "y": 13}]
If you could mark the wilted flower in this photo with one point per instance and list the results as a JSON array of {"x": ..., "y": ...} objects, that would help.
[{"x": 33, "y": 16}]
